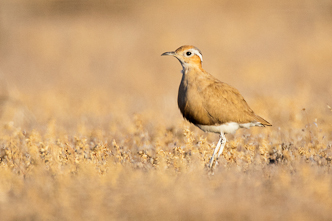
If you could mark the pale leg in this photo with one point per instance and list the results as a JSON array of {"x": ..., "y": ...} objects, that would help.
[
  {"x": 215, "y": 151},
  {"x": 223, "y": 142}
]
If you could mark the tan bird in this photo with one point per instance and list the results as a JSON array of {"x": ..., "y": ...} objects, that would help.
[{"x": 208, "y": 103}]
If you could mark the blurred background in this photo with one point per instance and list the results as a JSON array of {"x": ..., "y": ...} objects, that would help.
[
  {"x": 83, "y": 59},
  {"x": 90, "y": 128}
]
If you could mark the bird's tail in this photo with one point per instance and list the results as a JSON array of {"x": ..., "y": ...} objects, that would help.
[{"x": 262, "y": 121}]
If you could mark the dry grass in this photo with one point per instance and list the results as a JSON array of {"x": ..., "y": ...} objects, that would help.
[{"x": 89, "y": 123}]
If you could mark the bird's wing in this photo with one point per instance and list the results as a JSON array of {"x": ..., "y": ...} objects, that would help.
[{"x": 225, "y": 104}]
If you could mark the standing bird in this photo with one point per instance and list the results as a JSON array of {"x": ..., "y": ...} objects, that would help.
[{"x": 208, "y": 103}]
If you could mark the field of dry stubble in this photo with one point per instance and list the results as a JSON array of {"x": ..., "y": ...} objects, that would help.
[{"x": 89, "y": 124}]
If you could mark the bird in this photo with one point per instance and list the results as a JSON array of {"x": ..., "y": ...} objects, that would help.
[{"x": 210, "y": 104}]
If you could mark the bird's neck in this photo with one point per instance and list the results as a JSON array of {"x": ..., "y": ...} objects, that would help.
[{"x": 188, "y": 67}]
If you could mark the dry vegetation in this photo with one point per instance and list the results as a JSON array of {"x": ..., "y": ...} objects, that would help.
[{"x": 89, "y": 123}]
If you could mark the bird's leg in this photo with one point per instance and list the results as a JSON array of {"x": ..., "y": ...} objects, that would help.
[
  {"x": 223, "y": 142},
  {"x": 215, "y": 151}
]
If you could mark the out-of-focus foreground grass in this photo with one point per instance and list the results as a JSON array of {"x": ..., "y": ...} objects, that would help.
[{"x": 89, "y": 123}]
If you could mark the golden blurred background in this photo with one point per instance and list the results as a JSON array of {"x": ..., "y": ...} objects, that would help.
[
  {"x": 84, "y": 71},
  {"x": 111, "y": 50}
]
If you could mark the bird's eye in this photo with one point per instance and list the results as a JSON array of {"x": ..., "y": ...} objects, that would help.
[{"x": 188, "y": 53}]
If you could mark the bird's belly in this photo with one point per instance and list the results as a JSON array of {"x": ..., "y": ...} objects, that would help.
[{"x": 227, "y": 128}]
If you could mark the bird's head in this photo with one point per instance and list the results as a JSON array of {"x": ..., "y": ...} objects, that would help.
[{"x": 189, "y": 56}]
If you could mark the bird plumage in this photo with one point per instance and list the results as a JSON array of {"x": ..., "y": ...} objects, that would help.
[
  {"x": 205, "y": 100},
  {"x": 210, "y": 104}
]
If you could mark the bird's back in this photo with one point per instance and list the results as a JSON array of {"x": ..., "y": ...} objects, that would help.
[{"x": 204, "y": 100}]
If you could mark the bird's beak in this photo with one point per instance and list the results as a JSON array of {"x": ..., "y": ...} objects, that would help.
[{"x": 169, "y": 53}]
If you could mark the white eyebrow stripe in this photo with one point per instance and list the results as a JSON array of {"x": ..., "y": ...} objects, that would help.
[{"x": 198, "y": 53}]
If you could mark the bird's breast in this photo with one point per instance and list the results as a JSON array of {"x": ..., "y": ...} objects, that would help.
[{"x": 190, "y": 102}]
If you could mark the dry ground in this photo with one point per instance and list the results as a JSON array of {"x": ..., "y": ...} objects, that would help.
[{"x": 89, "y": 123}]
